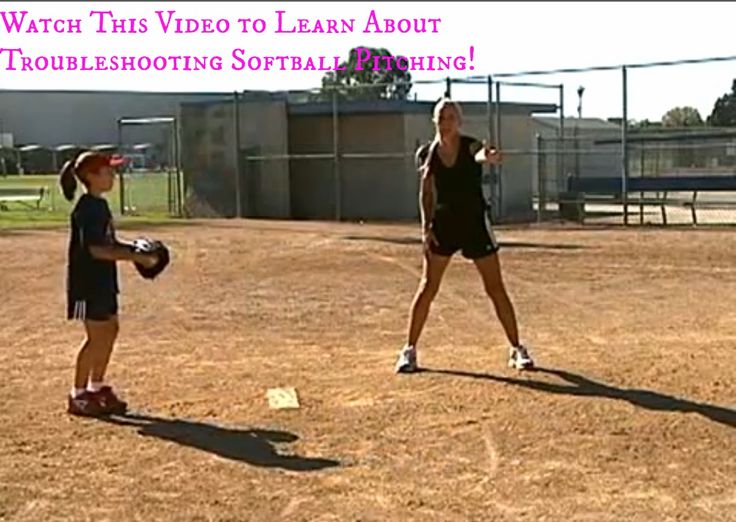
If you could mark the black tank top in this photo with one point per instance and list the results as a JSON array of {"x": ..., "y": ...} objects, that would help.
[{"x": 458, "y": 188}]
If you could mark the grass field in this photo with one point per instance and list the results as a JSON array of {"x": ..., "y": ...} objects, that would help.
[
  {"x": 146, "y": 196},
  {"x": 632, "y": 415}
]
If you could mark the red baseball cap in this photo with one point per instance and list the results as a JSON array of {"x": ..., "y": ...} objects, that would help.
[{"x": 94, "y": 161}]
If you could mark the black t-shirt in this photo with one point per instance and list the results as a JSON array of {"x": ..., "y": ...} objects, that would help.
[
  {"x": 458, "y": 188},
  {"x": 91, "y": 224}
]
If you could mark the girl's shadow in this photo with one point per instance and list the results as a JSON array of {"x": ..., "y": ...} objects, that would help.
[{"x": 252, "y": 446}]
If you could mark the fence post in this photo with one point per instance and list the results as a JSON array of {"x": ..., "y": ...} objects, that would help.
[
  {"x": 177, "y": 163},
  {"x": 641, "y": 194},
  {"x": 238, "y": 166},
  {"x": 122, "y": 171},
  {"x": 336, "y": 157},
  {"x": 499, "y": 167},
  {"x": 169, "y": 180},
  {"x": 562, "y": 148},
  {"x": 541, "y": 181},
  {"x": 625, "y": 148},
  {"x": 491, "y": 142}
]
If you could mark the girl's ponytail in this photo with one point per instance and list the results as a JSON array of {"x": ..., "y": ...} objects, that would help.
[{"x": 68, "y": 177}]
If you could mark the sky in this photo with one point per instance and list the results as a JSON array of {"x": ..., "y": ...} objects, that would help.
[{"x": 505, "y": 37}]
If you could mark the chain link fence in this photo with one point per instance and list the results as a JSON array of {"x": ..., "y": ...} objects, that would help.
[
  {"x": 149, "y": 185},
  {"x": 332, "y": 154},
  {"x": 326, "y": 155},
  {"x": 688, "y": 177}
]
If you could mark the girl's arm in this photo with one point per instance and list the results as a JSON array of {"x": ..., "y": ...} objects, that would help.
[
  {"x": 96, "y": 230},
  {"x": 121, "y": 252}
]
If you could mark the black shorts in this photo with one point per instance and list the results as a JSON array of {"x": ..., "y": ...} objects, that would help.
[
  {"x": 98, "y": 308},
  {"x": 473, "y": 236}
]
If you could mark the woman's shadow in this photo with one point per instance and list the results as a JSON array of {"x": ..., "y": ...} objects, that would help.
[
  {"x": 252, "y": 446},
  {"x": 583, "y": 386}
]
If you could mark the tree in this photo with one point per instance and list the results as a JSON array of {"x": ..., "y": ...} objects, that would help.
[
  {"x": 724, "y": 110},
  {"x": 345, "y": 81},
  {"x": 682, "y": 117}
]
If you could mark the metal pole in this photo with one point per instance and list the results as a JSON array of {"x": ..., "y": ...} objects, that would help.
[
  {"x": 491, "y": 138},
  {"x": 499, "y": 167},
  {"x": 336, "y": 157},
  {"x": 489, "y": 109},
  {"x": 177, "y": 165},
  {"x": 581, "y": 90},
  {"x": 576, "y": 144},
  {"x": 641, "y": 194},
  {"x": 624, "y": 148},
  {"x": 562, "y": 146},
  {"x": 122, "y": 171},
  {"x": 169, "y": 181},
  {"x": 238, "y": 165},
  {"x": 448, "y": 87},
  {"x": 541, "y": 188}
]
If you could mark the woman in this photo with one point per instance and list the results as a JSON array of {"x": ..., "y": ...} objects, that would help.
[{"x": 454, "y": 217}]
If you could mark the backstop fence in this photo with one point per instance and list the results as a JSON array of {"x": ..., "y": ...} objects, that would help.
[
  {"x": 347, "y": 153},
  {"x": 333, "y": 154}
]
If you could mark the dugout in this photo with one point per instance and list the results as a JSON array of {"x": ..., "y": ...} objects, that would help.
[
  {"x": 63, "y": 153},
  {"x": 36, "y": 159},
  {"x": 376, "y": 140},
  {"x": 285, "y": 164}
]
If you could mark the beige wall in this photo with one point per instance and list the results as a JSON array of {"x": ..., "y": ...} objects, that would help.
[
  {"x": 210, "y": 165},
  {"x": 207, "y": 145},
  {"x": 374, "y": 188},
  {"x": 370, "y": 188},
  {"x": 264, "y": 132},
  {"x": 312, "y": 180},
  {"x": 305, "y": 188}
]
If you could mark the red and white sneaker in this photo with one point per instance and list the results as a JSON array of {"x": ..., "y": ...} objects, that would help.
[
  {"x": 84, "y": 405},
  {"x": 109, "y": 402}
]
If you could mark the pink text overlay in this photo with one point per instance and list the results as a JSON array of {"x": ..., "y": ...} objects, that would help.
[{"x": 166, "y": 22}]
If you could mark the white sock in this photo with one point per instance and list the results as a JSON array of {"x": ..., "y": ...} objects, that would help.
[
  {"x": 76, "y": 392},
  {"x": 94, "y": 387}
]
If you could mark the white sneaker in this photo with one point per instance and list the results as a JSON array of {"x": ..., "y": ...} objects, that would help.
[
  {"x": 519, "y": 358},
  {"x": 407, "y": 362}
]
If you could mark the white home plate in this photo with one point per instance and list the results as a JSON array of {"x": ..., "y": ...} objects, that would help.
[{"x": 282, "y": 398}]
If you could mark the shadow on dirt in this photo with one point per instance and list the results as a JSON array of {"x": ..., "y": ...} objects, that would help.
[
  {"x": 251, "y": 446},
  {"x": 504, "y": 244},
  {"x": 582, "y": 386}
]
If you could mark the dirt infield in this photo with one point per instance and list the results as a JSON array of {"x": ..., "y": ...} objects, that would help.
[{"x": 633, "y": 416}]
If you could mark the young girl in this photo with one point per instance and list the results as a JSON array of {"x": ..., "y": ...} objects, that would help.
[
  {"x": 454, "y": 217},
  {"x": 92, "y": 284}
]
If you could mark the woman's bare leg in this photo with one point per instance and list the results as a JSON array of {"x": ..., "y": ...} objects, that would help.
[
  {"x": 434, "y": 267},
  {"x": 490, "y": 270}
]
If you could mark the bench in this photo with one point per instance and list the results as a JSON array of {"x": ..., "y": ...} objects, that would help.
[
  {"x": 26, "y": 196},
  {"x": 609, "y": 190}
]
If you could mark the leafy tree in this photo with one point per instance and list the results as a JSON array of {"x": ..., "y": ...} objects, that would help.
[
  {"x": 388, "y": 83},
  {"x": 724, "y": 110},
  {"x": 682, "y": 117}
]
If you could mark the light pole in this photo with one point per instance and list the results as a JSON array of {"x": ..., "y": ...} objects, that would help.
[{"x": 581, "y": 90}]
